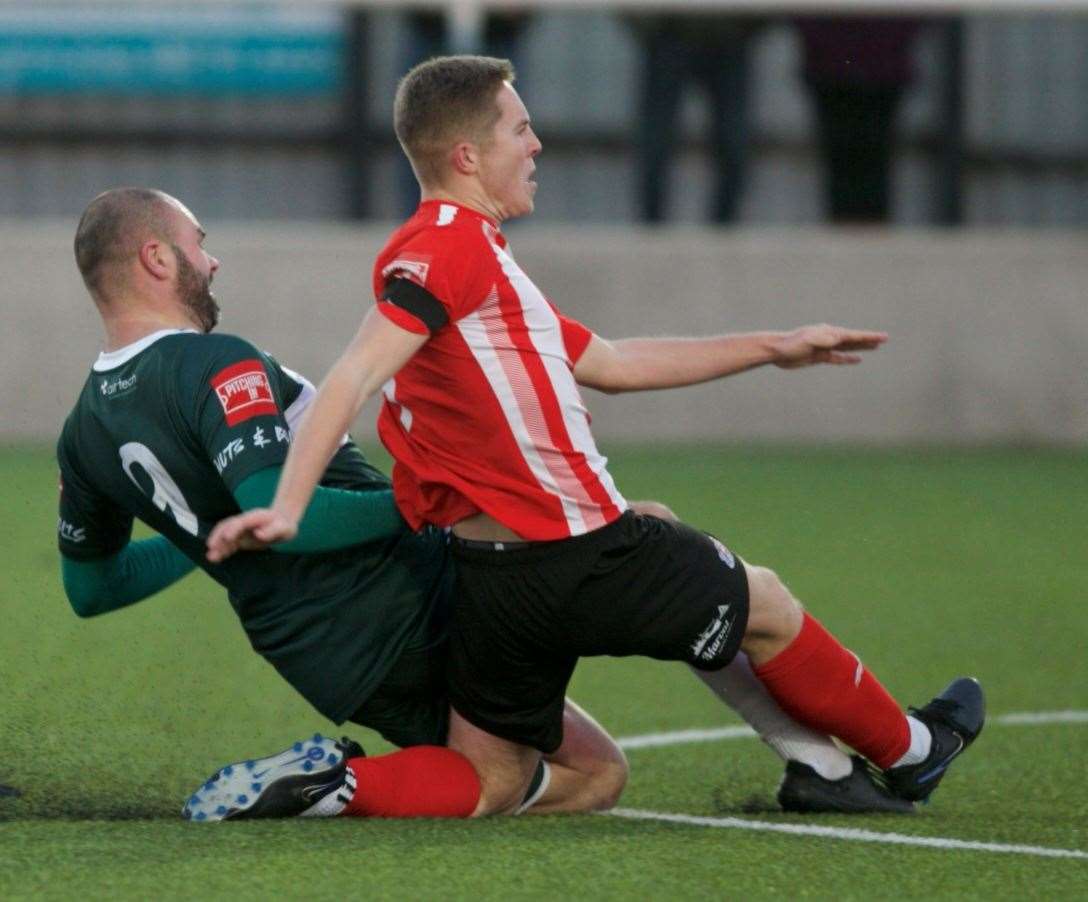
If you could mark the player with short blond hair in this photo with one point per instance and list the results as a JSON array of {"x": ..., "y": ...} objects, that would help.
[{"x": 486, "y": 424}]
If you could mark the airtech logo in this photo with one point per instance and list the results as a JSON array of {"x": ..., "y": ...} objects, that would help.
[{"x": 115, "y": 386}]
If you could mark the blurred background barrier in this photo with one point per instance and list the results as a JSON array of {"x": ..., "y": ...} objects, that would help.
[
  {"x": 270, "y": 110},
  {"x": 764, "y": 118},
  {"x": 988, "y": 328}
]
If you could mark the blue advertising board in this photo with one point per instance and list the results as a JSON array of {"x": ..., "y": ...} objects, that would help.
[{"x": 130, "y": 49}]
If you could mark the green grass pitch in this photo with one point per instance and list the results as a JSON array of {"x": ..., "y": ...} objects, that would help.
[{"x": 927, "y": 563}]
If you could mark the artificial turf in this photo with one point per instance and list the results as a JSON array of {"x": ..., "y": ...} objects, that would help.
[{"x": 928, "y": 563}]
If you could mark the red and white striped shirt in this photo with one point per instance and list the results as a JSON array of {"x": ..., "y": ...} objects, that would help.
[{"x": 487, "y": 416}]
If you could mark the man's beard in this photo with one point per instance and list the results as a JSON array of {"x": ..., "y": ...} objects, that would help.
[{"x": 194, "y": 292}]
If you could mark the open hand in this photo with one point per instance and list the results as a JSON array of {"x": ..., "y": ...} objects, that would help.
[
  {"x": 249, "y": 531},
  {"x": 824, "y": 344}
]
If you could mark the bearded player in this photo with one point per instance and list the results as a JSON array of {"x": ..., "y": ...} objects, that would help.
[{"x": 179, "y": 427}]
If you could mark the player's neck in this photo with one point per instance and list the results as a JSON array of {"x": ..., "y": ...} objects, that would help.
[
  {"x": 464, "y": 197},
  {"x": 124, "y": 329}
]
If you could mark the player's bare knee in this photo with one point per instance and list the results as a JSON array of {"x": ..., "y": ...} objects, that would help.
[
  {"x": 653, "y": 509},
  {"x": 773, "y": 613},
  {"x": 600, "y": 789},
  {"x": 610, "y": 784}
]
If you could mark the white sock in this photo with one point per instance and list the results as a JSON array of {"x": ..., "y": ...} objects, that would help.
[
  {"x": 921, "y": 740},
  {"x": 742, "y": 691}
]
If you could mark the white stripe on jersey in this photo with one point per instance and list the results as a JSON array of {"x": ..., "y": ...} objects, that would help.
[
  {"x": 546, "y": 336},
  {"x": 504, "y": 370},
  {"x": 297, "y": 408},
  {"x": 390, "y": 392}
]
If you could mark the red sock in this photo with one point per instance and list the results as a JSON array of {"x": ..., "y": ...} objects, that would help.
[
  {"x": 422, "y": 781},
  {"x": 824, "y": 686}
]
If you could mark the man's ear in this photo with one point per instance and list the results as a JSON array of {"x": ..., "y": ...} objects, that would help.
[
  {"x": 465, "y": 158},
  {"x": 157, "y": 258}
]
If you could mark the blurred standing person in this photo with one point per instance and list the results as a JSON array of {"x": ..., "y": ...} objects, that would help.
[
  {"x": 712, "y": 51},
  {"x": 857, "y": 70},
  {"x": 427, "y": 35}
]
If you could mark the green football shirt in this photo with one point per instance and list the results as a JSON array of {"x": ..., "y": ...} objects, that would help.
[{"x": 164, "y": 430}]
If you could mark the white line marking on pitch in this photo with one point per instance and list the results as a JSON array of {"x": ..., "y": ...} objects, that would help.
[
  {"x": 902, "y": 839},
  {"x": 1034, "y": 717},
  {"x": 681, "y": 737}
]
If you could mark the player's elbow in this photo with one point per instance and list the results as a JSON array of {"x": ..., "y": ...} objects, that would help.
[
  {"x": 86, "y": 604},
  {"x": 85, "y": 600}
]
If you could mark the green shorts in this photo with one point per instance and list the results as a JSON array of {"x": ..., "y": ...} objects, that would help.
[{"x": 411, "y": 705}]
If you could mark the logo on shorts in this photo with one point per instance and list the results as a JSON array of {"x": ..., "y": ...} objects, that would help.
[
  {"x": 724, "y": 553},
  {"x": 244, "y": 392},
  {"x": 409, "y": 267},
  {"x": 712, "y": 639}
]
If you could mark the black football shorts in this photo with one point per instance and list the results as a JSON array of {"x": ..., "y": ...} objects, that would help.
[{"x": 525, "y": 614}]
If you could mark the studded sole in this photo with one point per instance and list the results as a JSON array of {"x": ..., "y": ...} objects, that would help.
[{"x": 237, "y": 787}]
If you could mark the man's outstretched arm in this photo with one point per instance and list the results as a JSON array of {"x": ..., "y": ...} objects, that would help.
[
  {"x": 639, "y": 364},
  {"x": 378, "y": 350},
  {"x": 139, "y": 570},
  {"x": 334, "y": 519}
]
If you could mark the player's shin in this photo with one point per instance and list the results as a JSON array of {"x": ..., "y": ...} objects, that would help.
[
  {"x": 824, "y": 685},
  {"x": 322, "y": 777},
  {"x": 422, "y": 781},
  {"x": 738, "y": 687}
]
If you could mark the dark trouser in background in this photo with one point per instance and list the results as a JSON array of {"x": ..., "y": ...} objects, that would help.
[
  {"x": 856, "y": 128},
  {"x": 670, "y": 63}
]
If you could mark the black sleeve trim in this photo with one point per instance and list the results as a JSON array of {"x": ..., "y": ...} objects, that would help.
[{"x": 418, "y": 301}]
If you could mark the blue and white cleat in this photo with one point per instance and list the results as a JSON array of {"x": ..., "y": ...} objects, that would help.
[{"x": 310, "y": 779}]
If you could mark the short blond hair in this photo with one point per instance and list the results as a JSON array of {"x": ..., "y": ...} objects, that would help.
[{"x": 443, "y": 100}]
